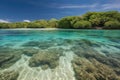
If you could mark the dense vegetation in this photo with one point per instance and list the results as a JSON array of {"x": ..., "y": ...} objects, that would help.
[{"x": 105, "y": 20}]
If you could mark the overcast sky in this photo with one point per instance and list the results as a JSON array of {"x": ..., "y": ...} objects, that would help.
[{"x": 25, "y": 10}]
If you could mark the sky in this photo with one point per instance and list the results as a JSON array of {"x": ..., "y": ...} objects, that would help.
[{"x": 29, "y": 10}]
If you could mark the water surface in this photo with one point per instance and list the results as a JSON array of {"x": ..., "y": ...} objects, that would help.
[{"x": 60, "y": 54}]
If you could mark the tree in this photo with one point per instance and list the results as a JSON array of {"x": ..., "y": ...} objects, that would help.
[
  {"x": 82, "y": 25},
  {"x": 95, "y": 19},
  {"x": 41, "y": 23},
  {"x": 34, "y": 25},
  {"x": 112, "y": 25},
  {"x": 53, "y": 23},
  {"x": 100, "y": 18},
  {"x": 109, "y": 19},
  {"x": 3, "y": 25},
  {"x": 64, "y": 23}
]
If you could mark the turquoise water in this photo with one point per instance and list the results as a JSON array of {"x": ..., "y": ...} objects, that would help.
[
  {"x": 16, "y": 37},
  {"x": 90, "y": 46}
]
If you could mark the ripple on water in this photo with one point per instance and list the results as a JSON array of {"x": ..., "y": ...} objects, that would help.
[{"x": 60, "y": 55}]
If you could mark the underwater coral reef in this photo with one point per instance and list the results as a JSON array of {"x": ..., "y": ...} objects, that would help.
[{"x": 60, "y": 57}]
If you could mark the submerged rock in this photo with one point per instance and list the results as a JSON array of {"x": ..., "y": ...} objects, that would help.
[
  {"x": 31, "y": 44},
  {"x": 89, "y": 43},
  {"x": 92, "y": 70},
  {"x": 84, "y": 50},
  {"x": 30, "y": 51},
  {"x": 9, "y": 75},
  {"x": 67, "y": 42},
  {"x": 111, "y": 60},
  {"x": 9, "y": 56},
  {"x": 5, "y": 58},
  {"x": 105, "y": 51},
  {"x": 117, "y": 71},
  {"x": 117, "y": 46},
  {"x": 116, "y": 40},
  {"x": 90, "y": 53},
  {"x": 39, "y": 44},
  {"x": 46, "y": 59},
  {"x": 115, "y": 55},
  {"x": 45, "y": 45},
  {"x": 5, "y": 49}
]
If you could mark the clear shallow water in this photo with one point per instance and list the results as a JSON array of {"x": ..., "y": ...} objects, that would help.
[
  {"x": 25, "y": 51},
  {"x": 20, "y": 36}
]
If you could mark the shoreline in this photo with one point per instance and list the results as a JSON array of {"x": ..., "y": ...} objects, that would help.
[
  {"x": 30, "y": 29},
  {"x": 52, "y": 29}
]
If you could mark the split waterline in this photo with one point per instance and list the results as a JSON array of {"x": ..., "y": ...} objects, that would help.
[{"x": 59, "y": 54}]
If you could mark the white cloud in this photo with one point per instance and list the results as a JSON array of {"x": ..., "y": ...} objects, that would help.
[
  {"x": 94, "y": 6},
  {"x": 68, "y": 6},
  {"x": 111, "y": 6},
  {"x": 26, "y": 21},
  {"x": 4, "y": 21}
]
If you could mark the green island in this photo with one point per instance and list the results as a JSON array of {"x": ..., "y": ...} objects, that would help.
[{"x": 90, "y": 20}]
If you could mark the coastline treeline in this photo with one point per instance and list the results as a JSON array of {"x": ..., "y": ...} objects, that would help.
[{"x": 90, "y": 20}]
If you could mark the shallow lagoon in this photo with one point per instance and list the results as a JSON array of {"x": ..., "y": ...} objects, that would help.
[{"x": 59, "y": 54}]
